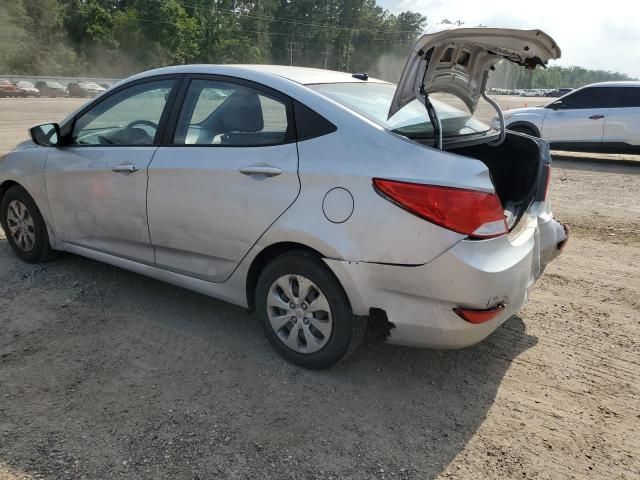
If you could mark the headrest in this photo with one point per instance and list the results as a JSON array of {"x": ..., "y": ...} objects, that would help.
[{"x": 243, "y": 113}]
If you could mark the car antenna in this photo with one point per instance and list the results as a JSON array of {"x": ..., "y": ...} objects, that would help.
[{"x": 361, "y": 76}]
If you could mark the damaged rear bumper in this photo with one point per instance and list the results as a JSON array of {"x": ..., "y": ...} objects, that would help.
[{"x": 475, "y": 274}]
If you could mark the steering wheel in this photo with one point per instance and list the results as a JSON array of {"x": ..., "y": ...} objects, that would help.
[{"x": 129, "y": 128}]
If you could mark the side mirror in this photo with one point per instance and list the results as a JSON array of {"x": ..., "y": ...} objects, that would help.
[
  {"x": 46, "y": 135},
  {"x": 557, "y": 105}
]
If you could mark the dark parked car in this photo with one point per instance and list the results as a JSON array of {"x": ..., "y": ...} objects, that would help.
[
  {"x": 51, "y": 89},
  {"x": 84, "y": 89},
  {"x": 560, "y": 92}
]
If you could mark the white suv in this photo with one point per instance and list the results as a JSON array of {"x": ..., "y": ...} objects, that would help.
[{"x": 603, "y": 117}]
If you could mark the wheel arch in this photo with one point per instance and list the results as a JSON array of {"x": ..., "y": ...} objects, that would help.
[
  {"x": 525, "y": 124},
  {"x": 265, "y": 256},
  {"x": 44, "y": 209},
  {"x": 6, "y": 185}
]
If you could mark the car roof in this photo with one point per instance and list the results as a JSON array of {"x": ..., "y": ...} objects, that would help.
[
  {"x": 627, "y": 83},
  {"x": 301, "y": 75}
]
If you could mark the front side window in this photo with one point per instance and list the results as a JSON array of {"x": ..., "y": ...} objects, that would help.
[
  {"x": 594, "y": 97},
  {"x": 227, "y": 114},
  {"x": 128, "y": 117},
  {"x": 373, "y": 100}
]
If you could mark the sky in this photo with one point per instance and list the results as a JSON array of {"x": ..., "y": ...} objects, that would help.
[{"x": 602, "y": 35}]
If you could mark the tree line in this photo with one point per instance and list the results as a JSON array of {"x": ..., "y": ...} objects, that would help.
[
  {"x": 115, "y": 38},
  {"x": 509, "y": 75},
  {"x": 119, "y": 37}
]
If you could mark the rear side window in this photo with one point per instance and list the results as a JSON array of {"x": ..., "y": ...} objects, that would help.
[
  {"x": 310, "y": 124},
  {"x": 594, "y": 97},
  {"x": 625, "y": 97},
  {"x": 218, "y": 113}
]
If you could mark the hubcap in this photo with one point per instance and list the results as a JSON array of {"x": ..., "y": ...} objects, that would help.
[
  {"x": 21, "y": 228},
  {"x": 299, "y": 313}
]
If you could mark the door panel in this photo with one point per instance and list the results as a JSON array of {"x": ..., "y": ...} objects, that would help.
[
  {"x": 578, "y": 117},
  {"x": 97, "y": 182},
  {"x": 232, "y": 172},
  {"x": 95, "y": 207},
  {"x": 580, "y": 125},
  {"x": 623, "y": 122},
  {"x": 623, "y": 126},
  {"x": 205, "y": 215}
]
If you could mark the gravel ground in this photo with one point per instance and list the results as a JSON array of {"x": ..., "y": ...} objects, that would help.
[{"x": 107, "y": 374}]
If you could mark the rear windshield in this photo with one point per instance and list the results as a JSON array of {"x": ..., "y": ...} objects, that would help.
[{"x": 373, "y": 100}]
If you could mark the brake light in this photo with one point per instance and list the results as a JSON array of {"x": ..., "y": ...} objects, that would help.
[{"x": 473, "y": 213}]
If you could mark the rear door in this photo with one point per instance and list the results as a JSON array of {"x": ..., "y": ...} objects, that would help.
[
  {"x": 226, "y": 172},
  {"x": 578, "y": 118},
  {"x": 623, "y": 123}
]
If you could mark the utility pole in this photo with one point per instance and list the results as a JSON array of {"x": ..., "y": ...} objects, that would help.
[
  {"x": 292, "y": 47},
  {"x": 326, "y": 55}
]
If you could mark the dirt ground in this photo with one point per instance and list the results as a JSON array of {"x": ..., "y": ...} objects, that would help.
[{"x": 107, "y": 374}]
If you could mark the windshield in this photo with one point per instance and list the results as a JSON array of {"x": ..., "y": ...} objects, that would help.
[
  {"x": 373, "y": 100},
  {"x": 25, "y": 84},
  {"x": 54, "y": 85}
]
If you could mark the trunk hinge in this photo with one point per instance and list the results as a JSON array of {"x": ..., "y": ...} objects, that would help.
[
  {"x": 431, "y": 111},
  {"x": 498, "y": 110}
]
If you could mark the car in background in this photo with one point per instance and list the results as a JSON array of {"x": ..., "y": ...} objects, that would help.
[
  {"x": 602, "y": 117},
  {"x": 49, "y": 88},
  {"x": 84, "y": 89},
  {"x": 559, "y": 92},
  {"x": 8, "y": 89},
  {"x": 27, "y": 89},
  {"x": 533, "y": 92},
  {"x": 330, "y": 196}
]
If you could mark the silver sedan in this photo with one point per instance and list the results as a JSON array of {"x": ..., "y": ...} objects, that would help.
[{"x": 310, "y": 196}]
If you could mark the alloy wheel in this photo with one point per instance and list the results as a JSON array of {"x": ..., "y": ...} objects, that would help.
[
  {"x": 299, "y": 313},
  {"x": 21, "y": 226}
]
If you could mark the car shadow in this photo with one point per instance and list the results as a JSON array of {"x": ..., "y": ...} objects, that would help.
[{"x": 104, "y": 372}]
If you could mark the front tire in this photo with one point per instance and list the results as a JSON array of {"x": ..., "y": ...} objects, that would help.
[
  {"x": 306, "y": 313},
  {"x": 24, "y": 226}
]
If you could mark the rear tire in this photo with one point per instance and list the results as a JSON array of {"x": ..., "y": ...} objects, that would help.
[
  {"x": 24, "y": 227},
  {"x": 306, "y": 313}
]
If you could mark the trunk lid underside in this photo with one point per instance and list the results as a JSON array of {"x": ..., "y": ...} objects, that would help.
[{"x": 456, "y": 60}]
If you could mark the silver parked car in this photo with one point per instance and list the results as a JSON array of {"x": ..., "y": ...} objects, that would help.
[{"x": 308, "y": 195}]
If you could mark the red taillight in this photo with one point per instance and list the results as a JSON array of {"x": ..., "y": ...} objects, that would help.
[
  {"x": 479, "y": 316},
  {"x": 477, "y": 214}
]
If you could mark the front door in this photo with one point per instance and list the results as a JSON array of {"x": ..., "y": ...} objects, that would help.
[
  {"x": 231, "y": 171},
  {"x": 577, "y": 118},
  {"x": 97, "y": 181}
]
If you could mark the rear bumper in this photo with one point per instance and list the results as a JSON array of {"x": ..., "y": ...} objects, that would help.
[{"x": 419, "y": 300}]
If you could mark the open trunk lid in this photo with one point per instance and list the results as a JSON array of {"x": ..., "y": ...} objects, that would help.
[{"x": 455, "y": 60}]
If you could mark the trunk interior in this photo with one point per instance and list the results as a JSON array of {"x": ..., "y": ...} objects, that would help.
[{"x": 515, "y": 168}]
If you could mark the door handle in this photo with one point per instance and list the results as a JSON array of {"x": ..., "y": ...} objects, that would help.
[
  {"x": 596, "y": 117},
  {"x": 125, "y": 169},
  {"x": 261, "y": 170}
]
